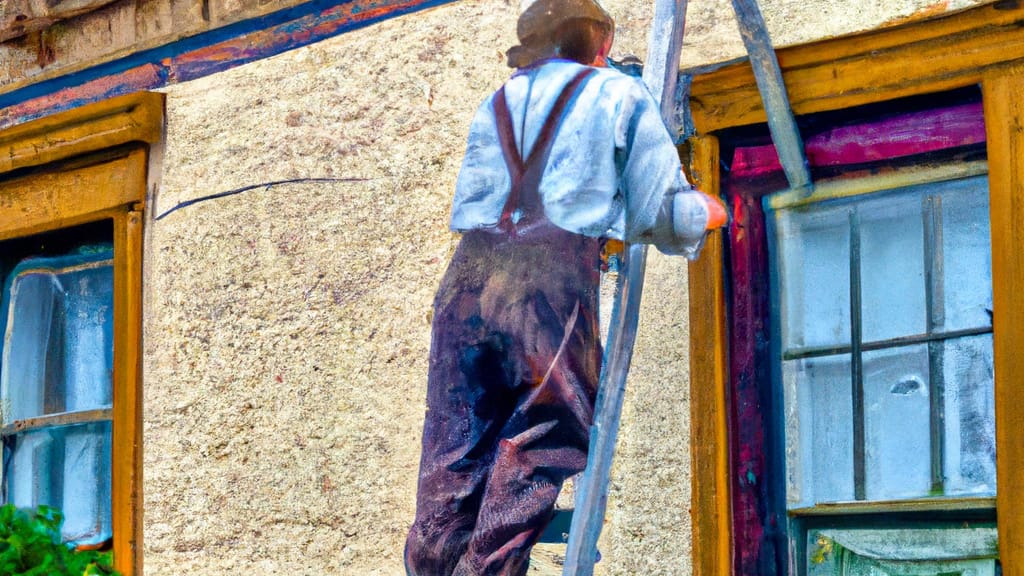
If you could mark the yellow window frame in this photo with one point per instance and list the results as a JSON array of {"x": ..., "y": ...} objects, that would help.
[
  {"x": 81, "y": 166},
  {"x": 983, "y": 45}
]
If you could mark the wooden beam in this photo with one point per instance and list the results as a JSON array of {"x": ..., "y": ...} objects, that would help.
[
  {"x": 42, "y": 202},
  {"x": 126, "y": 468},
  {"x": 781, "y": 123},
  {"x": 709, "y": 442},
  {"x": 135, "y": 117},
  {"x": 948, "y": 52},
  {"x": 20, "y": 17},
  {"x": 196, "y": 56},
  {"x": 1004, "y": 120}
]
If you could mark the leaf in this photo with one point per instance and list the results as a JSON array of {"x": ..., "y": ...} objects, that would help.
[{"x": 30, "y": 545}]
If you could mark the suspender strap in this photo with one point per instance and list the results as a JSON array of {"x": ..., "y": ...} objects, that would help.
[{"x": 537, "y": 159}]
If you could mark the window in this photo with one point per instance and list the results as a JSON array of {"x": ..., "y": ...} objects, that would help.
[
  {"x": 875, "y": 296},
  {"x": 853, "y": 352},
  {"x": 55, "y": 382},
  {"x": 886, "y": 377},
  {"x": 72, "y": 198}
]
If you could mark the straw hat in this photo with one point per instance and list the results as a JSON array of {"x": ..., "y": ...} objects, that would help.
[{"x": 540, "y": 19}]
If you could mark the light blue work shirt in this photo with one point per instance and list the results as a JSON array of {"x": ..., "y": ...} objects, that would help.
[{"x": 613, "y": 171}]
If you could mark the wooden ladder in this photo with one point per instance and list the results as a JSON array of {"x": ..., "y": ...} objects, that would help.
[{"x": 661, "y": 74}]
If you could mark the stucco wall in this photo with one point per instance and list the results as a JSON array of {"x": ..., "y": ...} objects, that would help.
[{"x": 287, "y": 328}]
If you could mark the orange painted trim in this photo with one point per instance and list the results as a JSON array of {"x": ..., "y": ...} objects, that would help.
[
  {"x": 1003, "y": 95},
  {"x": 126, "y": 445},
  {"x": 68, "y": 197},
  {"x": 709, "y": 443},
  {"x": 133, "y": 118},
  {"x": 916, "y": 58}
]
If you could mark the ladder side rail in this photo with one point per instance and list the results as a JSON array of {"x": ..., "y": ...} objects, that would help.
[
  {"x": 660, "y": 74},
  {"x": 781, "y": 122}
]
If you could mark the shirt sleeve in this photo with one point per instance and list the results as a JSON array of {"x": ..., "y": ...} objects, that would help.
[
  {"x": 483, "y": 172},
  {"x": 661, "y": 206}
]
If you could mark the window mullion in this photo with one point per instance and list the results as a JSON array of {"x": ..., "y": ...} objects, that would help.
[
  {"x": 59, "y": 419},
  {"x": 856, "y": 364},
  {"x": 936, "y": 313},
  {"x": 801, "y": 353}
]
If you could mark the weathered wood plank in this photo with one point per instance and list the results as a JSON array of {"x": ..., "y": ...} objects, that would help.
[
  {"x": 200, "y": 55},
  {"x": 59, "y": 419},
  {"x": 665, "y": 44},
  {"x": 1004, "y": 120},
  {"x": 781, "y": 122},
  {"x": 920, "y": 132},
  {"x": 130, "y": 118},
  {"x": 126, "y": 444},
  {"x": 20, "y": 17},
  {"x": 709, "y": 442},
  {"x": 946, "y": 53},
  {"x": 53, "y": 200}
]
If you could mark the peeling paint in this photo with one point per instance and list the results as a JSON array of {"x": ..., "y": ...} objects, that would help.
[
  {"x": 923, "y": 13},
  {"x": 201, "y": 55}
]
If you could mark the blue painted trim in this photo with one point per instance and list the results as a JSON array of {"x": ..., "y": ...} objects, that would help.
[{"x": 312, "y": 10}]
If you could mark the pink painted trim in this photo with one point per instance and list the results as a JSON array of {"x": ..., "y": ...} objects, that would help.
[{"x": 903, "y": 135}]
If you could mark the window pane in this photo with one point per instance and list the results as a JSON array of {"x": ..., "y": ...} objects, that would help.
[
  {"x": 819, "y": 430},
  {"x": 68, "y": 468},
  {"x": 892, "y": 265},
  {"x": 966, "y": 244},
  {"x": 60, "y": 339},
  {"x": 970, "y": 464},
  {"x": 897, "y": 413},
  {"x": 948, "y": 551},
  {"x": 814, "y": 248}
]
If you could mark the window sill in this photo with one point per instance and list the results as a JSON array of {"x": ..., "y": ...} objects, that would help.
[{"x": 890, "y": 506}]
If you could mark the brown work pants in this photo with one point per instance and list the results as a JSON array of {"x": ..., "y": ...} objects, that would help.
[{"x": 514, "y": 366}]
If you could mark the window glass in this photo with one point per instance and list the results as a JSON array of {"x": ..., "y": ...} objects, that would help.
[
  {"x": 891, "y": 399},
  {"x": 897, "y": 413},
  {"x": 819, "y": 419},
  {"x": 55, "y": 382},
  {"x": 892, "y": 265},
  {"x": 967, "y": 255},
  {"x": 946, "y": 551},
  {"x": 67, "y": 467},
  {"x": 970, "y": 465},
  {"x": 814, "y": 259}
]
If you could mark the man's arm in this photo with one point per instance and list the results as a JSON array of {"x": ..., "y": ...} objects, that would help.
[{"x": 661, "y": 206}]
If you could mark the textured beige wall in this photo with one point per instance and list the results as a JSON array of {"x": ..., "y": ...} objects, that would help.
[{"x": 287, "y": 328}]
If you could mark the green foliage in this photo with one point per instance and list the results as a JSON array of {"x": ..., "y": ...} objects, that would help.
[{"x": 30, "y": 545}]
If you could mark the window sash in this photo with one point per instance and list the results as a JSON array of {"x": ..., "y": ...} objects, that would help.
[
  {"x": 55, "y": 420},
  {"x": 934, "y": 338}
]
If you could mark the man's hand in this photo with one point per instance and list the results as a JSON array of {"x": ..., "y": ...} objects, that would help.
[{"x": 718, "y": 214}]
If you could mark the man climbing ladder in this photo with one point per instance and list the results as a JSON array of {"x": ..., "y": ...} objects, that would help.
[{"x": 567, "y": 155}]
